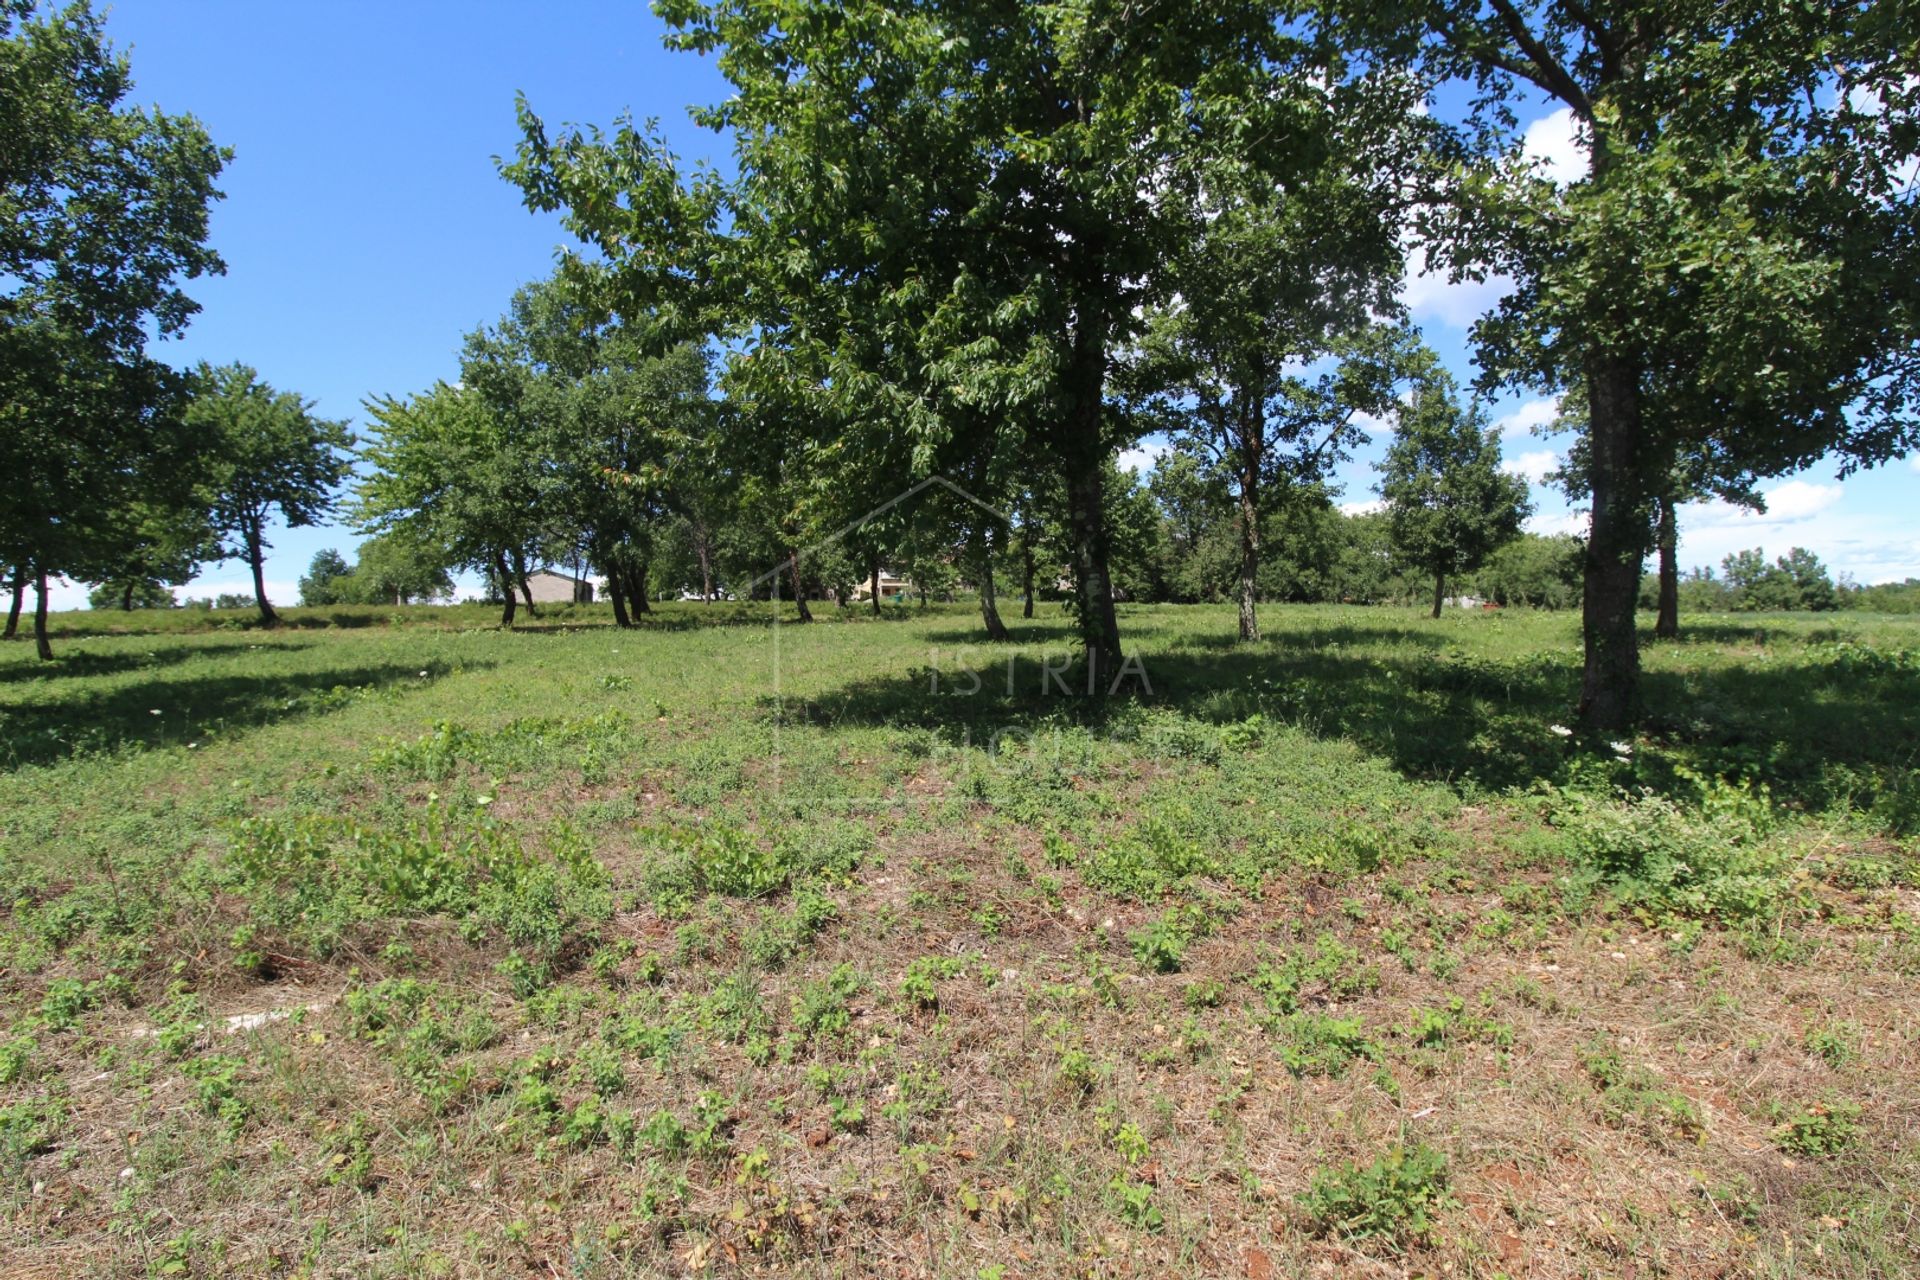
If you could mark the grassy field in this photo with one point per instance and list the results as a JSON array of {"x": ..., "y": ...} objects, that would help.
[{"x": 388, "y": 943}]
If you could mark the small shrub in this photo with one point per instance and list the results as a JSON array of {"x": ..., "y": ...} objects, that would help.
[
  {"x": 1395, "y": 1197},
  {"x": 1711, "y": 861},
  {"x": 1820, "y": 1129}
]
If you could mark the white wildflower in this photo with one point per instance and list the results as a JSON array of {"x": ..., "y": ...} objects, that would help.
[
  {"x": 1560, "y": 731},
  {"x": 154, "y": 712},
  {"x": 1622, "y": 749}
]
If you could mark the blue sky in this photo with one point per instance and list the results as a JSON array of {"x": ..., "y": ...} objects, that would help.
[{"x": 365, "y": 228}]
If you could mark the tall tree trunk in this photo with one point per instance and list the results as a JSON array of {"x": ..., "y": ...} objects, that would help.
[
  {"x": 40, "y": 644},
  {"x": 1026, "y": 565},
  {"x": 526, "y": 587},
  {"x": 1250, "y": 531},
  {"x": 13, "y": 610},
  {"x": 701, "y": 548},
  {"x": 618, "y": 595},
  {"x": 257, "y": 558},
  {"x": 506, "y": 588},
  {"x": 1667, "y": 538},
  {"x": 989, "y": 607},
  {"x": 1616, "y": 546},
  {"x": 126, "y": 597},
  {"x": 799, "y": 591},
  {"x": 1083, "y": 451},
  {"x": 1439, "y": 592},
  {"x": 637, "y": 589},
  {"x": 873, "y": 584}
]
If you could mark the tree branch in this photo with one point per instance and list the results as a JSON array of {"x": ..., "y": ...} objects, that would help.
[{"x": 1552, "y": 77}]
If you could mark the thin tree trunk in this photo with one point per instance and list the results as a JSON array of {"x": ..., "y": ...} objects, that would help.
[
  {"x": 799, "y": 592},
  {"x": 873, "y": 584},
  {"x": 1250, "y": 534},
  {"x": 1616, "y": 547},
  {"x": 1026, "y": 565},
  {"x": 989, "y": 606},
  {"x": 526, "y": 587},
  {"x": 506, "y": 588},
  {"x": 13, "y": 610},
  {"x": 705, "y": 552},
  {"x": 1439, "y": 592},
  {"x": 40, "y": 644},
  {"x": 256, "y": 557},
  {"x": 637, "y": 589},
  {"x": 1667, "y": 537},
  {"x": 126, "y": 596},
  {"x": 1083, "y": 452}
]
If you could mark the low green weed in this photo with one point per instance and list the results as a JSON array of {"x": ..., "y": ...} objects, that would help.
[{"x": 1394, "y": 1198}]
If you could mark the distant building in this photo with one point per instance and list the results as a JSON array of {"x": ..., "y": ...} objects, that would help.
[
  {"x": 549, "y": 587},
  {"x": 890, "y": 585}
]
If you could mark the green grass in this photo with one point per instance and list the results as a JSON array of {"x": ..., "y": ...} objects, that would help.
[{"x": 693, "y": 947}]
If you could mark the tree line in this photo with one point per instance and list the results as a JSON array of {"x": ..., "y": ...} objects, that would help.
[{"x": 997, "y": 243}]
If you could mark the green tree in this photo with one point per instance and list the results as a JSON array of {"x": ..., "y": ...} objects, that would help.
[
  {"x": 129, "y": 594},
  {"x": 991, "y": 191},
  {"x": 272, "y": 457},
  {"x": 1275, "y": 276},
  {"x": 105, "y": 218},
  {"x": 449, "y": 473},
  {"x": 1740, "y": 252},
  {"x": 160, "y": 544},
  {"x": 325, "y": 581},
  {"x": 1539, "y": 571},
  {"x": 394, "y": 569},
  {"x": 1449, "y": 505},
  {"x": 1794, "y": 581}
]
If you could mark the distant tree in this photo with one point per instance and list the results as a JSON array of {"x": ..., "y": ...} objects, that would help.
[
  {"x": 1538, "y": 571},
  {"x": 129, "y": 594},
  {"x": 1794, "y": 581},
  {"x": 271, "y": 456},
  {"x": 105, "y": 215},
  {"x": 1271, "y": 278},
  {"x": 450, "y": 473},
  {"x": 1882, "y": 597},
  {"x": 1200, "y": 541},
  {"x": 325, "y": 580},
  {"x": 1449, "y": 505},
  {"x": 162, "y": 544},
  {"x": 394, "y": 569},
  {"x": 1365, "y": 571}
]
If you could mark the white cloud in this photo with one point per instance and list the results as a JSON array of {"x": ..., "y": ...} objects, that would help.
[
  {"x": 1788, "y": 503},
  {"x": 1535, "y": 465},
  {"x": 1429, "y": 295},
  {"x": 1553, "y": 143},
  {"x": 1527, "y": 417},
  {"x": 1571, "y": 522},
  {"x": 1376, "y": 424},
  {"x": 1913, "y": 460},
  {"x": 1368, "y": 507},
  {"x": 1143, "y": 457}
]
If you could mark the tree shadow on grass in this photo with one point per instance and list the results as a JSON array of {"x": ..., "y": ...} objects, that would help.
[
  {"x": 161, "y": 713},
  {"x": 1818, "y": 733},
  {"x": 81, "y": 663}
]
